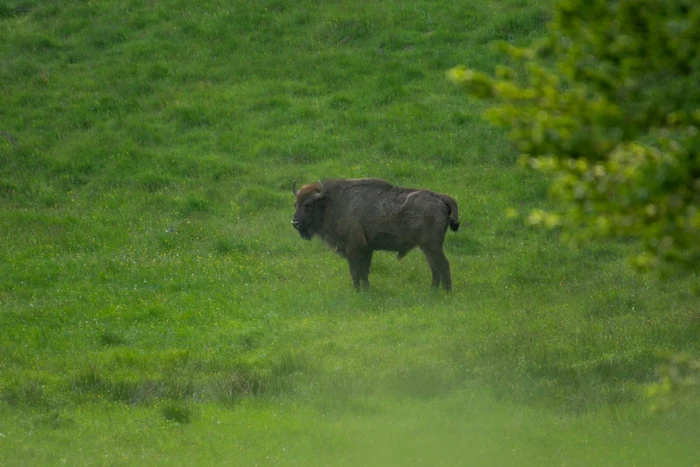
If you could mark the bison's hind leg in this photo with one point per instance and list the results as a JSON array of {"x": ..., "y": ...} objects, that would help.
[{"x": 439, "y": 266}]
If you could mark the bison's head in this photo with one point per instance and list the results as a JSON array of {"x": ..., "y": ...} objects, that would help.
[{"x": 310, "y": 200}]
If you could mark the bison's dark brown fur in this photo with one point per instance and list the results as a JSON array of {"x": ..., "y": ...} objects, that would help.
[{"x": 355, "y": 217}]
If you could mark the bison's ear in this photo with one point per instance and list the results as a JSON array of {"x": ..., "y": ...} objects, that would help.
[{"x": 320, "y": 195}]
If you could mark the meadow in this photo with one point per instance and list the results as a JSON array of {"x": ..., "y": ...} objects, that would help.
[{"x": 156, "y": 306}]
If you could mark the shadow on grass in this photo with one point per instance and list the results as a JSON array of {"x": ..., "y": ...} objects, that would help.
[
  {"x": 227, "y": 386},
  {"x": 572, "y": 389}
]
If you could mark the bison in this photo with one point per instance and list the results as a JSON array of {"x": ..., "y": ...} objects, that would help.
[{"x": 356, "y": 217}]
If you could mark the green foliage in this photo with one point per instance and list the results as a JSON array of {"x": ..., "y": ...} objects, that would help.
[
  {"x": 608, "y": 106},
  {"x": 677, "y": 383}
]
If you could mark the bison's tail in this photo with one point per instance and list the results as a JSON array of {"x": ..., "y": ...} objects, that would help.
[{"x": 454, "y": 211}]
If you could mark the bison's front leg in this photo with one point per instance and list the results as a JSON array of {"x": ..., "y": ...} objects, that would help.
[
  {"x": 364, "y": 274},
  {"x": 360, "y": 262}
]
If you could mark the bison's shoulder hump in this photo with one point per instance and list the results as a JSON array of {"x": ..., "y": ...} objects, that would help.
[{"x": 377, "y": 182}]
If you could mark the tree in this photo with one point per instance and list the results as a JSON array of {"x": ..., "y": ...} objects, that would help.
[{"x": 608, "y": 104}]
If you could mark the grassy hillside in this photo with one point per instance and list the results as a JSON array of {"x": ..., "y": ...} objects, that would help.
[{"x": 156, "y": 304}]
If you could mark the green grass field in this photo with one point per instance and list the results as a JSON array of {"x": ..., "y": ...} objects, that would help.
[{"x": 157, "y": 307}]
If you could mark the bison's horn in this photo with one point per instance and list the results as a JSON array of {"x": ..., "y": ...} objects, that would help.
[
  {"x": 321, "y": 192},
  {"x": 294, "y": 187}
]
